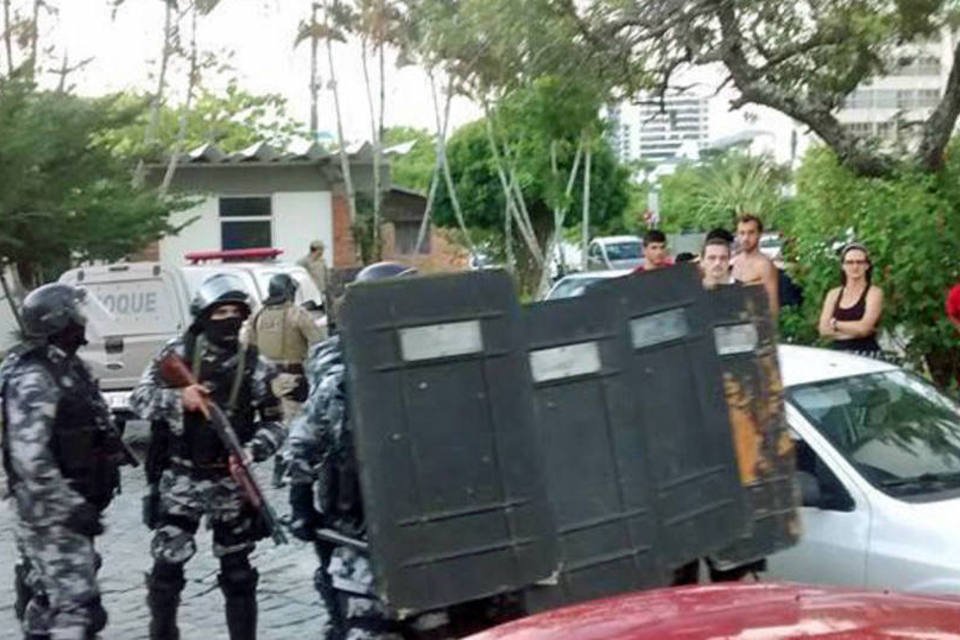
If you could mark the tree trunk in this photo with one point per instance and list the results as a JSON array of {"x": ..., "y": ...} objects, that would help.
[
  {"x": 585, "y": 223},
  {"x": 375, "y": 141},
  {"x": 8, "y": 36},
  {"x": 314, "y": 80},
  {"x": 34, "y": 39},
  {"x": 185, "y": 110},
  {"x": 378, "y": 187},
  {"x": 151, "y": 133},
  {"x": 344, "y": 156},
  {"x": 559, "y": 216}
]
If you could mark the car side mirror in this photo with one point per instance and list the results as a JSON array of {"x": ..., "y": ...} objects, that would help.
[{"x": 810, "y": 494}]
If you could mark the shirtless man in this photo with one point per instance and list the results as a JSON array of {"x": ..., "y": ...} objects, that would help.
[{"x": 750, "y": 267}]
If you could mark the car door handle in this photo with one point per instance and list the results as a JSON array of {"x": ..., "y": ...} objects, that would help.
[{"x": 114, "y": 366}]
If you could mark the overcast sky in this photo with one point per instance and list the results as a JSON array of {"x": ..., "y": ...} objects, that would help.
[{"x": 261, "y": 35}]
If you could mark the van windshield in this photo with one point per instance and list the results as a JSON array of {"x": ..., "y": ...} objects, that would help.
[
  {"x": 137, "y": 306},
  {"x": 900, "y": 433}
]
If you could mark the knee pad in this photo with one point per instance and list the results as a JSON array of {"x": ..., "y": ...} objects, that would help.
[{"x": 237, "y": 577}]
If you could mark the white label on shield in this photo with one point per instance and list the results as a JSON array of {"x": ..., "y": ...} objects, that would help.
[
  {"x": 736, "y": 338},
  {"x": 655, "y": 328},
  {"x": 441, "y": 340},
  {"x": 565, "y": 362}
]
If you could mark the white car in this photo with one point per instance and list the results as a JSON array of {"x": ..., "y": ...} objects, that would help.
[
  {"x": 878, "y": 460},
  {"x": 575, "y": 284}
]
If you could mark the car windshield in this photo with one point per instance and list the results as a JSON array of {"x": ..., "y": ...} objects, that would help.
[
  {"x": 629, "y": 250},
  {"x": 900, "y": 433},
  {"x": 572, "y": 287}
]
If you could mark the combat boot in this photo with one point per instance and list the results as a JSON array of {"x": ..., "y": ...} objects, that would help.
[
  {"x": 164, "y": 585},
  {"x": 239, "y": 586}
]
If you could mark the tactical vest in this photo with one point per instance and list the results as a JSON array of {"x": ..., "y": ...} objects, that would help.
[
  {"x": 81, "y": 444},
  {"x": 278, "y": 336},
  {"x": 199, "y": 444}
]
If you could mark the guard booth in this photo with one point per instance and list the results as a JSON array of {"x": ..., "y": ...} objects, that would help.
[
  {"x": 575, "y": 449},
  {"x": 746, "y": 343}
]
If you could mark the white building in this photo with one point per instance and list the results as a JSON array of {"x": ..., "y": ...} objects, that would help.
[
  {"x": 647, "y": 130},
  {"x": 909, "y": 92}
]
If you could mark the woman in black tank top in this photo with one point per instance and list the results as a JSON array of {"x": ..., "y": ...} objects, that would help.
[{"x": 852, "y": 311}]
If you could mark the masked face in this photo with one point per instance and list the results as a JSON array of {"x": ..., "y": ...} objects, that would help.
[
  {"x": 222, "y": 326},
  {"x": 71, "y": 338}
]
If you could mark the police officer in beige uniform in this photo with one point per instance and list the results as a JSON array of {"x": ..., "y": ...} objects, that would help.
[{"x": 283, "y": 332}]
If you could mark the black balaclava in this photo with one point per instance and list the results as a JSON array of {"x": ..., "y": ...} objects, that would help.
[
  {"x": 224, "y": 333},
  {"x": 70, "y": 338}
]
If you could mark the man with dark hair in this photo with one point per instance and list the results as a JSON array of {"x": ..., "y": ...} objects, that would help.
[
  {"x": 750, "y": 266},
  {"x": 195, "y": 480},
  {"x": 715, "y": 263},
  {"x": 61, "y": 455},
  {"x": 655, "y": 254}
]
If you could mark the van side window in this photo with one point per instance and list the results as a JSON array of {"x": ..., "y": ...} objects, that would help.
[{"x": 833, "y": 495}]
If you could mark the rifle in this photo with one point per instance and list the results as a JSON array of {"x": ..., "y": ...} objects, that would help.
[{"x": 175, "y": 372}]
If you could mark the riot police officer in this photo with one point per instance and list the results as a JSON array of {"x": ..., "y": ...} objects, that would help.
[
  {"x": 193, "y": 476},
  {"x": 61, "y": 455},
  {"x": 320, "y": 451},
  {"x": 283, "y": 331}
]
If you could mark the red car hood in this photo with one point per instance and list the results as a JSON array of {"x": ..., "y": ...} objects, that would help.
[{"x": 744, "y": 612}]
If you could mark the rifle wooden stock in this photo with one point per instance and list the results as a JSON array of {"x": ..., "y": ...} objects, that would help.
[{"x": 175, "y": 372}]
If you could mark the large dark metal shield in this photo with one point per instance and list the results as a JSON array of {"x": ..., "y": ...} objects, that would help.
[
  {"x": 674, "y": 371},
  {"x": 595, "y": 457},
  {"x": 746, "y": 341},
  {"x": 440, "y": 402}
]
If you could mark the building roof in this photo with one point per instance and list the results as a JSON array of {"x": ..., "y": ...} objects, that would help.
[{"x": 302, "y": 152}]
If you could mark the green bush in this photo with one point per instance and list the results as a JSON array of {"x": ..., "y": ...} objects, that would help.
[{"x": 911, "y": 225}]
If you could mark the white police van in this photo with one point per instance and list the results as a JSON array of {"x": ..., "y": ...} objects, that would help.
[{"x": 149, "y": 303}]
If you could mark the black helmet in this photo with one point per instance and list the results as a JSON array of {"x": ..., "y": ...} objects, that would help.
[
  {"x": 217, "y": 290},
  {"x": 50, "y": 309},
  {"x": 384, "y": 270},
  {"x": 281, "y": 288}
]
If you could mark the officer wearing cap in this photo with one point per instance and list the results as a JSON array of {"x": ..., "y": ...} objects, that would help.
[
  {"x": 283, "y": 332},
  {"x": 61, "y": 455},
  {"x": 191, "y": 479},
  {"x": 321, "y": 455}
]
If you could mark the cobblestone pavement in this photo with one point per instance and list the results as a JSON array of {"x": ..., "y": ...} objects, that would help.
[{"x": 289, "y": 607}]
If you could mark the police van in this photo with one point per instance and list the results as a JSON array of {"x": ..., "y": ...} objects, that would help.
[{"x": 149, "y": 303}]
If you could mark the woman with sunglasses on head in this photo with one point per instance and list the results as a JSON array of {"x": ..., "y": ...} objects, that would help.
[{"x": 851, "y": 312}]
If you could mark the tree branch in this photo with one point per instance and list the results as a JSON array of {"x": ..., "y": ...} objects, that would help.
[{"x": 939, "y": 126}]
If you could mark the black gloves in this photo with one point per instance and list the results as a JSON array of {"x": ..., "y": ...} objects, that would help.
[
  {"x": 85, "y": 520},
  {"x": 304, "y": 519}
]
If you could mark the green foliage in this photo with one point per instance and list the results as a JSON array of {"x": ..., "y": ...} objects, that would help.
[
  {"x": 233, "y": 120},
  {"x": 910, "y": 225},
  {"x": 699, "y": 197},
  {"x": 67, "y": 197},
  {"x": 549, "y": 115},
  {"x": 413, "y": 169}
]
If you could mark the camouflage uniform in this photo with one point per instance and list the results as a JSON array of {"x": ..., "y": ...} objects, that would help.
[
  {"x": 191, "y": 487},
  {"x": 320, "y": 453},
  {"x": 46, "y": 399}
]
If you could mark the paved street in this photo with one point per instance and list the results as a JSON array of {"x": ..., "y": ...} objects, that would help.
[{"x": 288, "y": 603}]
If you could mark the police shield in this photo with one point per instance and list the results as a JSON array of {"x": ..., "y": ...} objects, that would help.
[
  {"x": 596, "y": 458},
  {"x": 674, "y": 372},
  {"x": 440, "y": 402},
  {"x": 746, "y": 341}
]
